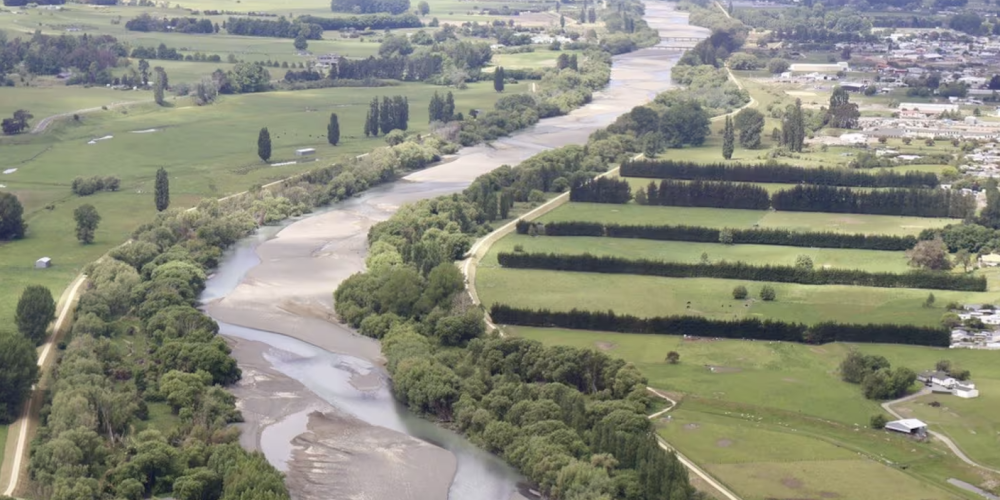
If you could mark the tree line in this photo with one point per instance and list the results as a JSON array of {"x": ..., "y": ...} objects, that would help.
[
  {"x": 411, "y": 68},
  {"x": 740, "y": 270},
  {"x": 746, "y": 328},
  {"x": 87, "y": 186},
  {"x": 775, "y": 173},
  {"x": 601, "y": 190},
  {"x": 370, "y": 6},
  {"x": 911, "y": 202},
  {"x": 393, "y": 113},
  {"x": 280, "y": 28},
  {"x": 755, "y": 236},
  {"x": 145, "y": 22},
  {"x": 705, "y": 194},
  {"x": 364, "y": 22}
]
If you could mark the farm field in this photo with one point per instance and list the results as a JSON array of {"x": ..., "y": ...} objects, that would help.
[
  {"x": 720, "y": 218},
  {"x": 769, "y": 417},
  {"x": 46, "y": 164},
  {"x": 691, "y": 252}
]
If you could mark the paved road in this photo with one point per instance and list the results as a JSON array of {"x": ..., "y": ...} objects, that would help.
[
  {"x": 887, "y": 406},
  {"x": 25, "y": 420}
]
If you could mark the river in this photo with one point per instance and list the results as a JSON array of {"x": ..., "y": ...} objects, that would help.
[{"x": 314, "y": 396}]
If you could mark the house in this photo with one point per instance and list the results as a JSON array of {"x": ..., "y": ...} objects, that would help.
[
  {"x": 43, "y": 263},
  {"x": 909, "y": 426},
  {"x": 989, "y": 260},
  {"x": 305, "y": 152},
  {"x": 966, "y": 390}
]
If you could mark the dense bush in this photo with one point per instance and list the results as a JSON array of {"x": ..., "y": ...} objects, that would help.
[
  {"x": 755, "y": 236},
  {"x": 145, "y": 22},
  {"x": 742, "y": 271},
  {"x": 780, "y": 173},
  {"x": 747, "y": 328},
  {"x": 281, "y": 28},
  {"x": 602, "y": 190},
  {"x": 364, "y": 22},
  {"x": 370, "y": 6},
  {"x": 87, "y": 187},
  {"x": 911, "y": 202},
  {"x": 708, "y": 194}
]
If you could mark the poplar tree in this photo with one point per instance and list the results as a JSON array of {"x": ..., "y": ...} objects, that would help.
[
  {"x": 385, "y": 118},
  {"x": 434, "y": 110},
  {"x": 333, "y": 130},
  {"x": 448, "y": 112},
  {"x": 162, "y": 191},
  {"x": 373, "y": 118},
  {"x": 498, "y": 78},
  {"x": 264, "y": 144},
  {"x": 728, "y": 139}
]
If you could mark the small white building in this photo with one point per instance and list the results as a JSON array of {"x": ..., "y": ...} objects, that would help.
[
  {"x": 305, "y": 152},
  {"x": 909, "y": 426},
  {"x": 43, "y": 263},
  {"x": 966, "y": 390}
]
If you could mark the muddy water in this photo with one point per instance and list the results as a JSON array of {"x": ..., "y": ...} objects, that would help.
[{"x": 273, "y": 298}]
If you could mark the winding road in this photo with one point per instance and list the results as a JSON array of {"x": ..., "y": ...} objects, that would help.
[{"x": 887, "y": 406}]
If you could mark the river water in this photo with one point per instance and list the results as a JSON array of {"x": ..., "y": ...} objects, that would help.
[{"x": 281, "y": 279}]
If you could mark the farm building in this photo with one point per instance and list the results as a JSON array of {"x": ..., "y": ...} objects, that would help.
[
  {"x": 942, "y": 383},
  {"x": 966, "y": 390},
  {"x": 305, "y": 152},
  {"x": 909, "y": 426},
  {"x": 43, "y": 263}
]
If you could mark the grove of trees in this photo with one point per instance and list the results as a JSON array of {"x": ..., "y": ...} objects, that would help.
[
  {"x": 775, "y": 173},
  {"x": 877, "y": 378},
  {"x": 392, "y": 113},
  {"x": 16, "y": 124}
]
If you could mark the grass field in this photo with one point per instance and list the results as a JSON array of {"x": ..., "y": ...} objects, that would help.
[
  {"x": 227, "y": 163},
  {"x": 683, "y": 251},
  {"x": 773, "y": 419},
  {"x": 719, "y": 218}
]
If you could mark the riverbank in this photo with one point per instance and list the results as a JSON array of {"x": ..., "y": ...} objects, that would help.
[{"x": 290, "y": 291}]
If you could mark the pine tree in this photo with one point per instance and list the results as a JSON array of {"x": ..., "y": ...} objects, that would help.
[
  {"x": 583, "y": 16},
  {"x": 162, "y": 191},
  {"x": 592, "y": 16},
  {"x": 264, "y": 144},
  {"x": 406, "y": 113},
  {"x": 728, "y": 139},
  {"x": 498, "y": 78},
  {"x": 368, "y": 123},
  {"x": 385, "y": 117},
  {"x": 333, "y": 130},
  {"x": 562, "y": 21},
  {"x": 448, "y": 111}
]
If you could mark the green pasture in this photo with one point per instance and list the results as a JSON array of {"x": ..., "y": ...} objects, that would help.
[
  {"x": 719, "y": 218},
  {"x": 542, "y": 57},
  {"x": 647, "y": 296},
  {"x": 48, "y": 101},
  {"x": 209, "y": 151},
  {"x": 750, "y": 410},
  {"x": 690, "y": 252}
]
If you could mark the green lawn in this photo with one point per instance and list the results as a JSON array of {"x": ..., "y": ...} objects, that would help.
[
  {"x": 719, "y": 218},
  {"x": 683, "y": 251},
  {"x": 542, "y": 57}
]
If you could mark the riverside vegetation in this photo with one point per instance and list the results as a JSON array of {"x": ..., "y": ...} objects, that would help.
[{"x": 138, "y": 407}]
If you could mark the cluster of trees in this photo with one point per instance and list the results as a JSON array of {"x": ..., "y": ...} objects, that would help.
[
  {"x": 393, "y": 113},
  {"x": 811, "y": 23},
  {"x": 775, "y": 173},
  {"x": 50, "y": 55},
  {"x": 699, "y": 326},
  {"x": 413, "y": 68},
  {"x": 145, "y": 22},
  {"x": 442, "y": 108},
  {"x": 661, "y": 126},
  {"x": 793, "y": 127},
  {"x": 876, "y": 376},
  {"x": 12, "y": 224},
  {"x": 740, "y": 270},
  {"x": 280, "y": 28},
  {"x": 371, "y": 6},
  {"x": 364, "y": 22},
  {"x": 17, "y": 123},
  {"x": 911, "y": 202},
  {"x": 602, "y": 190},
  {"x": 85, "y": 187},
  {"x": 968, "y": 237},
  {"x": 842, "y": 113},
  {"x": 709, "y": 86},
  {"x": 704, "y": 194},
  {"x": 244, "y": 78},
  {"x": 165, "y": 53},
  {"x": 755, "y": 236}
]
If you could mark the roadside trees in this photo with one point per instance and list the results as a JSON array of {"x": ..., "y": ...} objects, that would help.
[
  {"x": 35, "y": 310},
  {"x": 18, "y": 371}
]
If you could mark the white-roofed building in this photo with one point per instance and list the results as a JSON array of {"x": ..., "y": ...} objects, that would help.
[{"x": 909, "y": 426}]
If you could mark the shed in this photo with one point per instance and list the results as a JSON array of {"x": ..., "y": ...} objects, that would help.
[
  {"x": 43, "y": 263},
  {"x": 966, "y": 391},
  {"x": 908, "y": 426},
  {"x": 305, "y": 152}
]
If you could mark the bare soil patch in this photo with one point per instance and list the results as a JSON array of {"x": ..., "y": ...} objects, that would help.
[
  {"x": 605, "y": 346},
  {"x": 724, "y": 443},
  {"x": 791, "y": 482}
]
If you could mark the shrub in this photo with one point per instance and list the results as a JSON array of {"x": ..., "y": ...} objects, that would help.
[
  {"x": 878, "y": 421},
  {"x": 740, "y": 292},
  {"x": 767, "y": 293}
]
